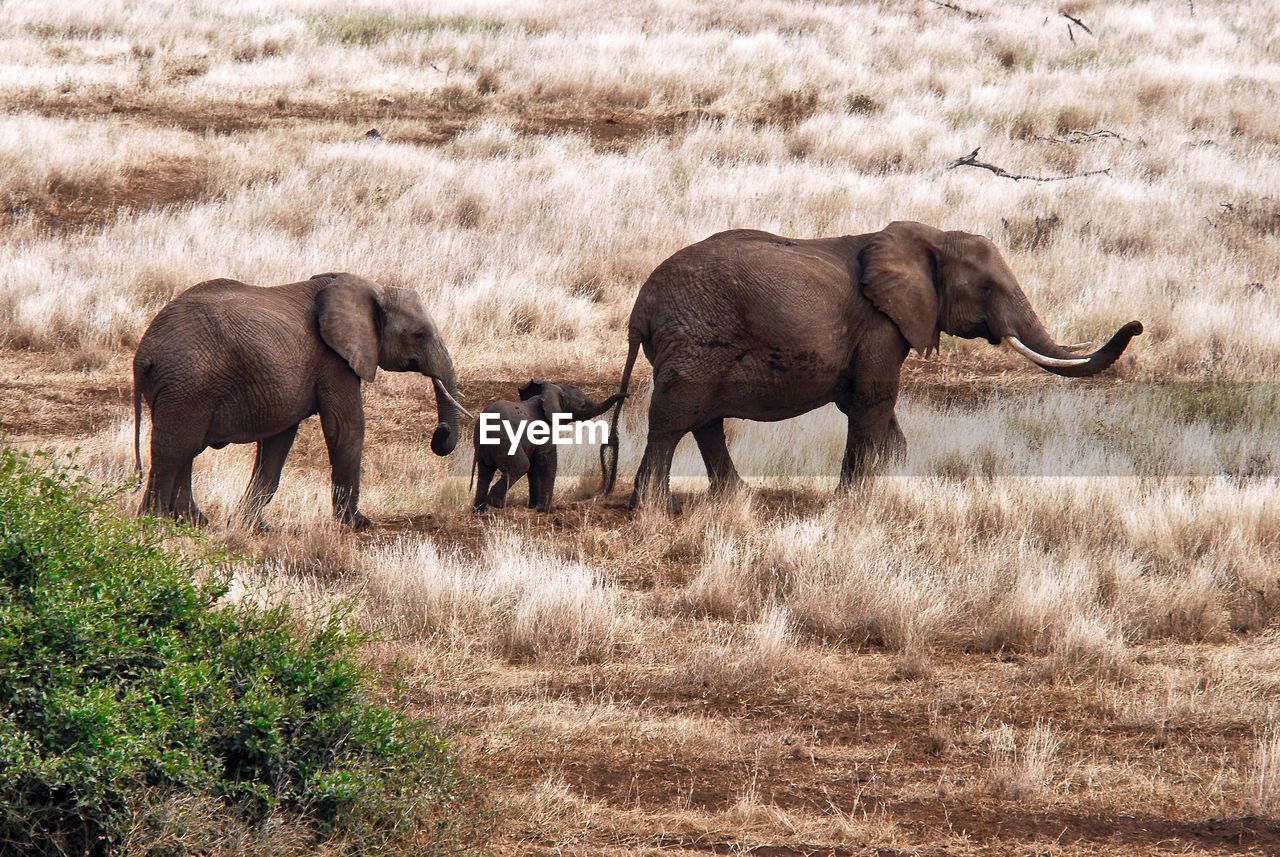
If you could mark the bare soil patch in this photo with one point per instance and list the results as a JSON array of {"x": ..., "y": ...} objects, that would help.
[
  {"x": 70, "y": 204},
  {"x": 419, "y": 119}
]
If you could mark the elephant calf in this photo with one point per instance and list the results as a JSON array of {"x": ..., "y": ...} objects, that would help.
[{"x": 540, "y": 401}]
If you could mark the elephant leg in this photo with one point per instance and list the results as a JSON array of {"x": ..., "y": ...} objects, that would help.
[
  {"x": 535, "y": 482},
  {"x": 268, "y": 463},
  {"x": 895, "y": 442},
  {"x": 874, "y": 435},
  {"x": 158, "y": 496},
  {"x": 653, "y": 479},
  {"x": 542, "y": 481},
  {"x": 168, "y": 490},
  {"x": 678, "y": 405},
  {"x": 184, "y": 499},
  {"x": 715, "y": 455},
  {"x": 874, "y": 439},
  {"x": 342, "y": 420},
  {"x": 511, "y": 472},
  {"x": 484, "y": 476}
]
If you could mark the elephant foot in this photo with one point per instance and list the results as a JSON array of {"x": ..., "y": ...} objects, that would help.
[
  {"x": 666, "y": 502},
  {"x": 254, "y": 521},
  {"x": 194, "y": 517},
  {"x": 728, "y": 487},
  {"x": 542, "y": 507},
  {"x": 498, "y": 502},
  {"x": 482, "y": 509},
  {"x": 851, "y": 483},
  {"x": 356, "y": 521}
]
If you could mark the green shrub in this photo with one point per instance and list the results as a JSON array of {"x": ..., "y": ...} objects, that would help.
[{"x": 123, "y": 678}]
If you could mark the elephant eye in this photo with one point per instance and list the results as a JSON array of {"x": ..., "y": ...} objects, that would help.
[
  {"x": 988, "y": 287},
  {"x": 418, "y": 335}
]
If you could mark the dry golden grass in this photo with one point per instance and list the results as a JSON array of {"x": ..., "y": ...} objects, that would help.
[
  {"x": 1051, "y": 629},
  {"x": 1019, "y": 654},
  {"x": 500, "y": 189}
]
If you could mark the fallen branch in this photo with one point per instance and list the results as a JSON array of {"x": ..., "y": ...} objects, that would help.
[
  {"x": 1074, "y": 20},
  {"x": 1081, "y": 136},
  {"x": 968, "y": 13},
  {"x": 971, "y": 160}
]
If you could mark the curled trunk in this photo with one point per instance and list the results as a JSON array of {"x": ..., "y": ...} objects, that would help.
[
  {"x": 1038, "y": 347},
  {"x": 448, "y": 410}
]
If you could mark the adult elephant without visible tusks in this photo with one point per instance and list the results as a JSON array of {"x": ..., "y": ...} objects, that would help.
[
  {"x": 751, "y": 325},
  {"x": 226, "y": 362}
]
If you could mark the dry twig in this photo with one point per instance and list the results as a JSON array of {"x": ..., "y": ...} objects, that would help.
[
  {"x": 968, "y": 13},
  {"x": 1074, "y": 20},
  {"x": 971, "y": 160}
]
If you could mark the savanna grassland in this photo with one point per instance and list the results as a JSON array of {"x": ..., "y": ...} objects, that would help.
[{"x": 1052, "y": 630}]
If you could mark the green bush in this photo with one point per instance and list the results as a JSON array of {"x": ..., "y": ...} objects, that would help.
[{"x": 122, "y": 678}]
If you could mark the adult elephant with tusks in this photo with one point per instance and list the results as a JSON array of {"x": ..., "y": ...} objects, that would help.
[
  {"x": 226, "y": 362},
  {"x": 750, "y": 325}
]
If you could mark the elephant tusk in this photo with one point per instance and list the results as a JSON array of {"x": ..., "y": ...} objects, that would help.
[
  {"x": 1039, "y": 359},
  {"x": 1079, "y": 346},
  {"x": 441, "y": 390}
]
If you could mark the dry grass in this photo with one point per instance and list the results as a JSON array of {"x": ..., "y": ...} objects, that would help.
[
  {"x": 641, "y": 667},
  {"x": 537, "y": 237},
  {"x": 1022, "y": 766},
  {"x": 647, "y": 663},
  {"x": 1265, "y": 777},
  {"x": 1050, "y": 629},
  {"x": 517, "y": 594}
]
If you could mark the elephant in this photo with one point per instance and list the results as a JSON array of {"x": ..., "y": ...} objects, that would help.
[
  {"x": 226, "y": 362},
  {"x": 751, "y": 325},
  {"x": 539, "y": 400}
]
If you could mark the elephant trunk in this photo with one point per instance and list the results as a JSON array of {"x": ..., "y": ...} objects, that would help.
[
  {"x": 597, "y": 410},
  {"x": 439, "y": 367},
  {"x": 1038, "y": 347}
]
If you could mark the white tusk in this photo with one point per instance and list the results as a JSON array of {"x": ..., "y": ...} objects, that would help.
[
  {"x": 442, "y": 391},
  {"x": 1039, "y": 359},
  {"x": 1079, "y": 346}
]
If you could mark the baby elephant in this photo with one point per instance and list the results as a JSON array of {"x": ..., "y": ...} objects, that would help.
[{"x": 540, "y": 401}]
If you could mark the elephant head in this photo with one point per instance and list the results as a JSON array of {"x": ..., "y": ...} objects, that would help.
[
  {"x": 371, "y": 326},
  {"x": 564, "y": 398},
  {"x": 930, "y": 282}
]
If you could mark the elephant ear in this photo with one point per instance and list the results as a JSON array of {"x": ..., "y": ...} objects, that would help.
[
  {"x": 551, "y": 402},
  {"x": 533, "y": 388},
  {"x": 898, "y": 266},
  {"x": 348, "y": 313}
]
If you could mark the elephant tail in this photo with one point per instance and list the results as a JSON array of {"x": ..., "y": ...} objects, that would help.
[
  {"x": 137, "y": 417},
  {"x": 609, "y": 452}
]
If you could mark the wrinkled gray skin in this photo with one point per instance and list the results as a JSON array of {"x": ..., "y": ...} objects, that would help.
[
  {"x": 755, "y": 326},
  {"x": 539, "y": 400},
  {"x": 226, "y": 362}
]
